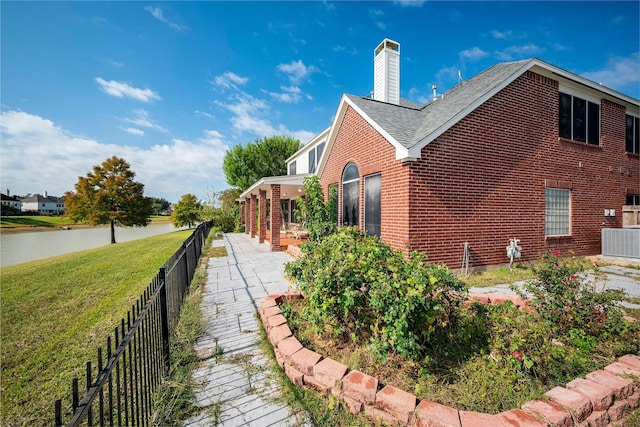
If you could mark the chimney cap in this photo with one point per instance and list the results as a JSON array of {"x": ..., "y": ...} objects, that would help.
[{"x": 387, "y": 44}]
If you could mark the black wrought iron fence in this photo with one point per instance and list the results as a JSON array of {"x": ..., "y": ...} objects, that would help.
[{"x": 119, "y": 388}]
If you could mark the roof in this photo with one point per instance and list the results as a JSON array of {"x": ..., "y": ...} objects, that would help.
[
  {"x": 6, "y": 198},
  {"x": 38, "y": 198},
  {"x": 409, "y": 127},
  {"x": 291, "y": 186}
]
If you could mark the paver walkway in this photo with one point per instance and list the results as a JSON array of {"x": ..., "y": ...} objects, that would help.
[{"x": 235, "y": 385}]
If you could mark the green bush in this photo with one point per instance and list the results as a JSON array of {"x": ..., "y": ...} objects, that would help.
[
  {"x": 357, "y": 286},
  {"x": 568, "y": 300}
]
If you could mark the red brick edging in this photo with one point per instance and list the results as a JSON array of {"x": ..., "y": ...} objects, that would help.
[{"x": 602, "y": 397}]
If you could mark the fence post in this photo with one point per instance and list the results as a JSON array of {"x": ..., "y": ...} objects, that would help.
[{"x": 164, "y": 314}]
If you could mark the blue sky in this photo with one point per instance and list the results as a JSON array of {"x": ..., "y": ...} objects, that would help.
[{"x": 171, "y": 86}]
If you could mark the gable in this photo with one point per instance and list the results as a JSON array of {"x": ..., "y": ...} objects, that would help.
[{"x": 410, "y": 127}]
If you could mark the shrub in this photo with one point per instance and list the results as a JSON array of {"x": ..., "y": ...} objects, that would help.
[
  {"x": 568, "y": 300},
  {"x": 357, "y": 286}
]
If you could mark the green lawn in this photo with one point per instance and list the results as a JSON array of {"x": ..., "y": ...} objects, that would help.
[
  {"x": 20, "y": 222},
  {"x": 55, "y": 313}
]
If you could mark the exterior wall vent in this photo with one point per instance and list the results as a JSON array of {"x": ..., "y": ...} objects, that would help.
[{"x": 386, "y": 73}]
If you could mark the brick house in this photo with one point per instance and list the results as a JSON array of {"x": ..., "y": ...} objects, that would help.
[{"x": 523, "y": 149}]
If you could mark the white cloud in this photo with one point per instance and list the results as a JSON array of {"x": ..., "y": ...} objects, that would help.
[
  {"x": 167, "y": 170},
  {"x": 350, "y": 51},
  {"x": 409, "y": 3},
  {"x": 250, "y": 116},
  {"x": 289, "y": 94},
  {"x": 473, "y": 54},
  {"x": 620, "y": 73},
  {"x": 123, "y": 90},
  {"x": 296, "y": 71},
  {"x": 229, "y": 80},
  {"x": 501, "y": 35},
  {"x": 512, "y": 53},
  {"x": 141, "y": 118},
  {"x": 157, "y": 13},
  {"x": 134, "y": 131}
]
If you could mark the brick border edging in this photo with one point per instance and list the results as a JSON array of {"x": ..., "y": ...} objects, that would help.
[{"x": 602, "y": 397}]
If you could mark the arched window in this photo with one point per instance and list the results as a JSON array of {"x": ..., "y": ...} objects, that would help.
[{"x": 350, "y": 195}]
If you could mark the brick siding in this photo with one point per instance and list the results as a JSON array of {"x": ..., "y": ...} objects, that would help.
[{"x": 483, "y": 181}]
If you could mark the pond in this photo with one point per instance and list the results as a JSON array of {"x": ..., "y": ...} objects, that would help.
[{"x": 30, "y": 246}]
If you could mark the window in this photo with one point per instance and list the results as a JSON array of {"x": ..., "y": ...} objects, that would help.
[
  {"x": 633, "y": 135},
  {"x": 372, "y": 190},
  {"x": 314, "y": 157},
  {"x": 294, "y": 210},
  {"x": 557, "y": 213},
  {"x": 312, "y": 160},
  {"x": 292, "y": 168},
  {"x": 350, "y": 195},
  {"x": 333, "y": 203},
  {"x": 633, "y": 200},
  {"x": 579, "y": 119}
]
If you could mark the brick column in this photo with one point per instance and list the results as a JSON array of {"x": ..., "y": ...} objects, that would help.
[
  {"x": 252, "y": 213},
  {"x": 263, "y": 216},
  {"x": 275, "y": 217},
  {"x": 247, "y": 215}
]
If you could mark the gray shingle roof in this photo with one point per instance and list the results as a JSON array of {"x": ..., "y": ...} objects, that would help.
[{"x": 410, "y": 123}]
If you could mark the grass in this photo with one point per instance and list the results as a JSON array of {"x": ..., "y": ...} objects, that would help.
[
  {"x": 174, "y": 399},
  {"x": 499, "y": 276},
  {"x": 16, "y": 223},
  {"x": 57, "y": 311},
  {"x": 502, "y": 275}
]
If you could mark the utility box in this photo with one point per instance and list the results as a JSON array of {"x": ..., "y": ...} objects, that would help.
[{"x": 621, "y": 242}]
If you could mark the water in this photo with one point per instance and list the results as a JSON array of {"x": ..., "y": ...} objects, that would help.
[{"x": 24, "y": 247}]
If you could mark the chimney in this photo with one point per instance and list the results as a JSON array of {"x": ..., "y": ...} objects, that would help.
[{"x": 386, "y": 72}]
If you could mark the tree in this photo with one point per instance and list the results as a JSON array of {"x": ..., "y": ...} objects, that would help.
[
  {"x": 160, "y": 205},
  {"x": 188, "y": 211},
  {"x": 222, "y": 208},
  {"x": 109, "y": 194},
  {"x": 245, "y": 165}
]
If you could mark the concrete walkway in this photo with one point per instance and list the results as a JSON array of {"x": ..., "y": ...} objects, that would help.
[{"x": 235, "y": 384}]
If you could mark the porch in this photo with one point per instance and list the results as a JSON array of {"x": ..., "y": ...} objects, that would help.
[{"x": 268, "y": 210}]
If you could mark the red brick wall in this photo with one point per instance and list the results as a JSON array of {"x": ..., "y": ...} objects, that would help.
[
  {"x": 359, "y": 143},
  {"x": 483, "y": 181}
]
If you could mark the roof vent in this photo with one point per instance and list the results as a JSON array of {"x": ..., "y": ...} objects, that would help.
[{"x": 386, "y": 72}]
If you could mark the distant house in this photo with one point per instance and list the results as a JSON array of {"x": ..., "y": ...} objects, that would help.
[
  {"x": 11, "y": 201},
  {"x": 44, "y": 205},
  {"x": 522, "y": 150}
]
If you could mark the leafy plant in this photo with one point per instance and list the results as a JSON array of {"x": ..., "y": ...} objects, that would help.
[
  {"x": 357, "y": 286},
  {"x": 318, "y": 216},
  {"x": 567, "y": 299}
]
